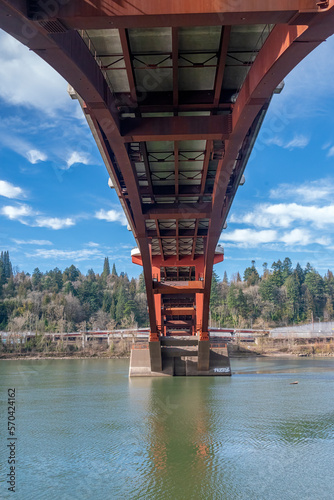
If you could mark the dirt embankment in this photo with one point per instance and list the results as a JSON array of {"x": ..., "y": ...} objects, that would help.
[
  {"x": 282, "y": 347},
  {"x": 117, "y": 349}
]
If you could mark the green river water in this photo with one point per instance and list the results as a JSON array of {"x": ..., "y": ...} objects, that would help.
[{"x": 86, "y": 431}]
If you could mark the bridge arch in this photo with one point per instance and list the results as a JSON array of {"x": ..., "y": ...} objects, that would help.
[{"x": 175, "y": 94}]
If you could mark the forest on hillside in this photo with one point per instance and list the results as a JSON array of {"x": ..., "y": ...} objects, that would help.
[{"x": 66, "y": 301}]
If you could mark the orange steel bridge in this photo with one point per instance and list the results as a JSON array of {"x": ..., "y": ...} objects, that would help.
[{"x": 175, "y": 93}]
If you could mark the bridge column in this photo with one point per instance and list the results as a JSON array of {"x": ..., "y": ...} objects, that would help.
[
  {"x": 203, "y": 355},
  {"x": 154, "y": 342},
  {"x": 156, "y": 273},
  {"x": 203, "y": 361}
]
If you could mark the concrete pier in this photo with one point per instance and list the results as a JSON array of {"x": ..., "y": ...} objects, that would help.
[{"x": 179, "y": 356}]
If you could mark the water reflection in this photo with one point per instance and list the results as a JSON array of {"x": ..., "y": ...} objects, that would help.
[
  {"x": 180, "y": 423},
  {"x": 87, "y": 431}
]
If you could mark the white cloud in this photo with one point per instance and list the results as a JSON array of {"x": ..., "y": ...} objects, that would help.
[
  {"x": 311, "y": 191},
  {"x": 92, "y": 244},
  {"x": 74, "y": 255},
  {"x": 250, "y": 237},
  {"x": 331, "y": 151},
  {"x": 77, "y": 157},
  {"x": 297, "y": 237},
  {"x": 285, "y": 214},
  {"x": 32, "y": 242},
  {"x": 54, "y": 222},
  {"x": 26, "y": 215},
  {"x": 111, "y": 216},
  {"x": 19, "y": 212},
  {"x": 25, "y": 79},
  {"x": 35, "y": 156},
  {"x": 8, "y": 190},
  {"x": 298, "y": 141}
]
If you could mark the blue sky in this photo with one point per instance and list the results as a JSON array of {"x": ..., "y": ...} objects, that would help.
[{"x": 56, "y": 208}]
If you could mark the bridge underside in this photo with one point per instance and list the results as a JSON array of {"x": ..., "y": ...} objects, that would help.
[{"x": 175, "y": 93}]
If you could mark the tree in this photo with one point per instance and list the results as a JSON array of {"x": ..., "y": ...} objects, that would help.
[
  {"x": 328, "y": 311},
  {"x": 2, "y": 273},
  {"x": 315, "y": 286},
  {"x": 232, "y": 303},
  {"x": 300, "y": 273},
  {"x": 269, "y": 290},
  {"x": 225, "y": 279},
  {"x": 293, "y": 295},
  {"x": 277, "y": 268},
  {"x": 120, "y": 306},
  {"x": 141, "y": 283},
  {"x": 37, "y": 276},
  {"x": 71, "y": 273},
  {"x": 286, "y": 268},
  {"x": 106, "y": 268},
  {"x": 114, "y": 272},
  {"x": 215, "y": 295},
  {"x": 6, "y": 264},
  {"x": 251, "y": 276}
]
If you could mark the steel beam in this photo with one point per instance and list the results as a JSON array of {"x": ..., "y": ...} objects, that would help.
[
  {"x": 80, "y": 14},
  {"x": 178, "y": 128},
  {"x": 225, "y": 40},
  {"x": 177, "y": 211},
  {"x": 176, "y": 163},
  {"x": 123, "y": 34},
  {"x": 175, "y": 61}
]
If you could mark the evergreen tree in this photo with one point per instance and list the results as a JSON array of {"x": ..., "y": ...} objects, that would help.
[
  {"x": 114, "y": 272},
  {"x": 215, "y": 295},
  {"x": 71, "y": 273},
  {"x": 300, "y": 273},
  {"x": 293, "y": 295},
  {"x": 265, "y": 270},
  {"x": 37, "y": 276},
  {"x": 286, "y": 268},
  {"x": 106, "y": 268},
  {"x": 329, "y": 310},
  {"x": 242, "y": 304},
  {"x": 141, "y": 283},
  {"x": 315, "y": 286},
  {"x": 121, "y": 301},
  {"x": 225, "y": 279},
  {"x": 91, "y": 274},
  {"x": 251, "y": 276},
  {"x": 6, "y": 264},
  {"x": 277, "y": 268},
  {"x": 269, "y": 290},
  {"x": 112, "y": 310},
  {"x": 2, "y": 273}
]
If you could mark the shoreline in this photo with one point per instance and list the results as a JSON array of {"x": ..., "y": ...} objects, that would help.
[{"x": 241, "y": 355}]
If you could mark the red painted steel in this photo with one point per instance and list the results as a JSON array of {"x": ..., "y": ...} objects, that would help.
[{"x": 176, "y": 225}]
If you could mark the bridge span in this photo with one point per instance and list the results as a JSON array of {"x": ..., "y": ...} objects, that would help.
[{"x": 175, "y": 93}]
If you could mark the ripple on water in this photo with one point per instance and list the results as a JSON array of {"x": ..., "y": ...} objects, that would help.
[{"x": 85, "y": 431}]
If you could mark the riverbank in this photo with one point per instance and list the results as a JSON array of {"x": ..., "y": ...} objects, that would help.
[
  {"x": 121, "y": 349},
  {"x": 282, "y": 348}
]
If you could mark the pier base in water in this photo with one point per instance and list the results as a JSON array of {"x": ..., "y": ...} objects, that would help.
[{"x": 180, "y": 356}]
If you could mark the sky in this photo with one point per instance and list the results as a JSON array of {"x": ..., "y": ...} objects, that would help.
[{"x": 56, "y": 208}]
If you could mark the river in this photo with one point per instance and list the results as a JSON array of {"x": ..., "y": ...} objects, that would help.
[{"x": 85, "y": 431}]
